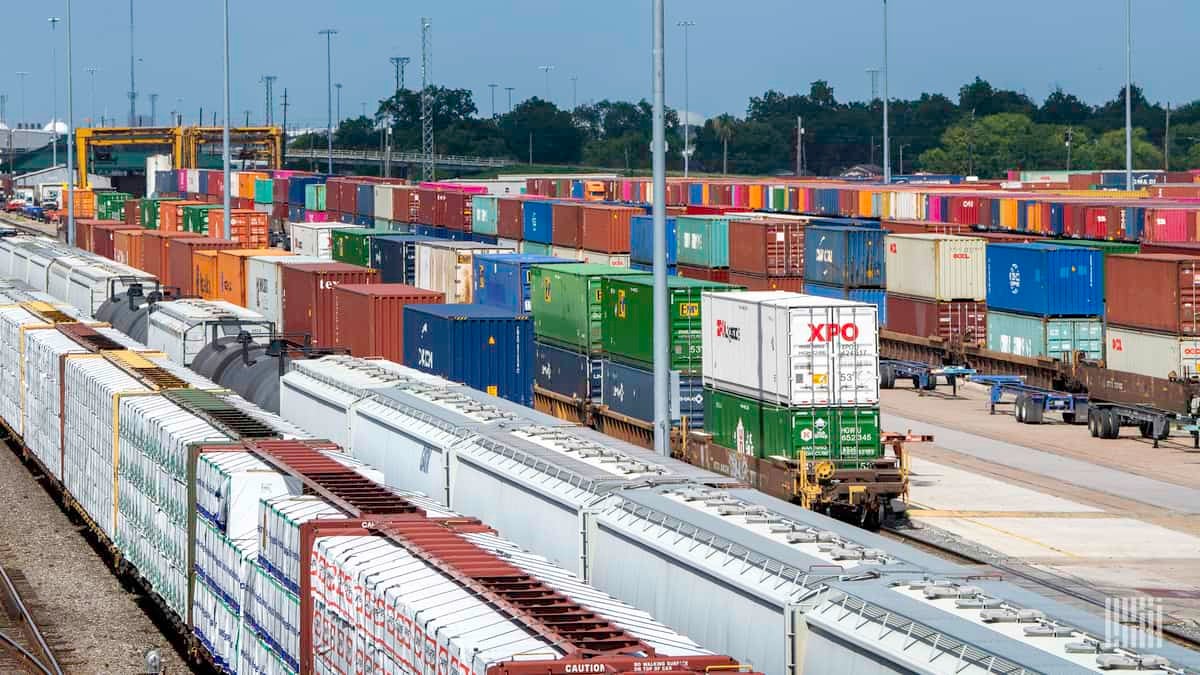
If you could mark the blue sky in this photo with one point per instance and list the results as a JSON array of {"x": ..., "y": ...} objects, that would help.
[{"x": 737, "y": 49}]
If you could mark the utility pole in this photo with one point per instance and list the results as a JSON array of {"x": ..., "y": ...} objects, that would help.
[
  {"x": 546, "y": 70},
  {"x": 902, "y": 146},
  {"x": 269, "y": 84},
  {"x": 971, "y": 146},
  {"x": 338, "y": 118},
  {"x": 247, "y": 111},
  {"x": 510, "y": 91},
  {"x": 329, "y": 33},
  {"x": 873, "y": 73},
  {"x": 531, "y": 148},
  {"x": 70, "y": 133},
  {"x": 1070, "y": 137},
  {"x": 153, "y": 109},
  {"x": 1128, "y": 94},
  {"x": 92, "y": 74},
  {"x": 285, "y": 138},
  {"x": 54, "y": 90},
  {"x": 227, "y": 226},
  {"x": 21, "y": 75},
  {"x": 799, "y": 146},
  {"x": 687, "y": 112},
  {"x": 887, "y": 138},
  {"x": 398, "y": 65},
  {"x": 428, "y": 171},
  {"x": 132, "y": 88},
  {"x": 662, "y": 413},
  {"x": 493, "y": 88},
  {"x": 1167, "y": 141}
]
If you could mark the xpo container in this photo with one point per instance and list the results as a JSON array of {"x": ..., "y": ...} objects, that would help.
[
  {"x": 502, "y": 279},
  {"x": 1157, "y": 292},
  {"x": 850, "y": 257},
  {"x": 936, "y": 266},
  {"x": 487, "y": 348},
  {"x": 790, "y": 349},
  {"x": 1056, "y": 337},
  {"x": 449, "y": 267},
  {"x": 628, "y": 310},
  {"x": 1044, "y": 279},
  {"x": 264, "y": 284},
  {"x": 369, "y": 318},
  {"x": 958, "y": 321},
  {"x": 1151, "y": 354},
  {"x": 307, "y": 297},
  {"x": 567, "y": 302}
]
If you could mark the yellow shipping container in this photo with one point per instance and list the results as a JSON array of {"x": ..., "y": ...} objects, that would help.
[
  {"x": 864, "y": 203},
  {"x": 1008, "y": 213}
]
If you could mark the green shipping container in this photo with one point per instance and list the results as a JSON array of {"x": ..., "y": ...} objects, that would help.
[
  {"x": 149, "y": 209},
  {"x": 353, "y": 244},
  {"x": 195, "y": 218},
  {"x": 1105, "y": 247},
  {"x": 111, "y": 205},
  {"x": 822, "y": 433},
  {"x": 629, "y": 313},
  {"x": 566, "y": 302},
  {"x": 703, "y": 240},
  {"x": 264, "y": 191},
  {"x": 534, "y": 248},
  {"x": 779, "y": 198},
  {"x": 314, "y": 197},
  {"x": 735, "y": 422},
  {"x": 483, "y": 214},
  {"x": 1057, "y": 338}
]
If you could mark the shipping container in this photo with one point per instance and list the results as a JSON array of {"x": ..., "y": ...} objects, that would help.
[
  {"x": 628, "y": 310},
  {"x": 851, "y": 257},
  {"x": 315, "y": 239},
  {"x": 567, "y": 372},
  {"x": 449, "y": 267},
  {"x": 791, "y": 349},
  {"x": 502, "y": 279},
  {"x": 1156, "y": 291},
  {"x": 1151, "y": 354},
  {"x": 483, "y": 214},
  {"x": 735, "y": 422},
  {"x": 180, "y": 271},
  {"x": 369, "y": 318},
  {"x": 510, "y": 218},
  {"x": 538, "y": 219},
  {"x": 307, "y": 297},
  {"x": 957, "y": 321},
  {"x": 150, "y": 211},
  {"x": 264, "y": 284},
  {"x": 233, "y": 282},
  {"x": 767, "y": 247},
  {"x": 641, "y": 240},
  {"x": 205, "y": 282},
  {"x": 1044, "y": 279},
  {"x": 605, "y": 229},
  {"x": 127, "y": 248},
  {"x": 1105, "y": 247},
  {"x": 103, "y": 234},
  {"x": 703, "y": 240},
  {"x": 249, "y": 228},
  {"x": 488, "y": 348},
  {"x": 936, "y": 266},
  {"x": 628, "y": 390},
  {"x": 354, "y": 245},
  {"x": 155, "y": 251},
  {"x": 535, "y": 248},
  {"x": 566, "y": 224},
  {"x": 1055, "y": 337},
  {"x": 717, "y": 274},
  {"x": 752, "y": 282},
  {"x": 395, "y": 256},
  {"x": 839, "y": 434},
  {"x": 195, "y": 218},
  {"x": 567, "y": 303},
  {"x": 870, "y": 296}
]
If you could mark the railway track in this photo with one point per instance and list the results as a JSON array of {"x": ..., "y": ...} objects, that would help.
[{"x": 26, "y": 644}]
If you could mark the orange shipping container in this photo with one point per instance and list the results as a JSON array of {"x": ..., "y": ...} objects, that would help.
[
  {"x": 85, "y": 204},
  {"x": 127, "y": 247},
  {"x": 231, "y": 271},
  {"x": 170, "y": 215},
  {"x": 249, "y": 228},
  {"x": 204, "y": 274},
  {"x": 154, "y": 250}
]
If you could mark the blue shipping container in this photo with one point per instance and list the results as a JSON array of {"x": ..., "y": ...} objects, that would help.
[
  {"x": 347, "y": 218},
  {"x": 695, "y": 193},
  {"x": 487, "y": 348},
  {"x": 395, "y": 256},
  {"x": 871, "y": 296},
  {"x": 203, "y": 181},
  {"x": 641, "y": 240},
  {"x": 538, "y": 218},
  {"x": 630, "y": 392},
  {"x": 502, "y": 279},
  {"x": 568, "y": 373},
  {"x": 484, "y": 238},
  {"x": 364, "y": 221},
  {"x": 297, "y": 184},
  {"x": 296, "y": 213},
  {"x": 850, "y": 257},
  {"x": 846, "y": 222},
  {"x": 1045, "y": 280},
  {"x": 365, "y": 205},
  {"x": 577, "y": 189}
]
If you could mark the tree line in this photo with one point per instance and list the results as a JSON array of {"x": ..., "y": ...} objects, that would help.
[{"x": 985, "y": 132}]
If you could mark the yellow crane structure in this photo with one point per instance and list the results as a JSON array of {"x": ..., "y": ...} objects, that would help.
[{"x": 184, "y": 144}]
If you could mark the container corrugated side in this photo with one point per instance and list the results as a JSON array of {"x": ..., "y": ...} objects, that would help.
[
  {"x": 936, "y": 266},
  {"x": 1045, "y": 279},
  {"x": 703, "y": 240},
  {"x": 1056, "y": 337},
  {"x": 1151, "y": 354},
  {"x": 852, "y": 257},
  {"x": 369, "y": 318}
]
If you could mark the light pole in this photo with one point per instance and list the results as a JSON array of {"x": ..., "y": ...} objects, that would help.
[
  {"x": 329, "y": 33},
  {"x": 227, "y": 224},
  {"x": 92, "y": 74},
  {"x": 21, "y": 75},
  {"x": 493, "y": 88},
  {"x": 662, "y": 414},
  {"x": 510, "y": 91},
  {"x": 546, "y": 70},
  {"x": 687, "y": 127},
  {"x": 887, "y": 139},
  {"x": 70, "y": 132},
  {"x": 902, "y": 147},
  {"x": 1128, "y": 94},
  {"x": 338, "y": 117},
  {"x": 54, "y": 88}
]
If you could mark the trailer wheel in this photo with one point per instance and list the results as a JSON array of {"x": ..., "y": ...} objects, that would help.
[
  {"x": 1146, "y": 429},
  {"x": 1019, "y": 408},
  {"x": 887, "y": 376},
  {"x": 1033, "y": 411},
  {"x": 1110, "y": 423},
  {"x": 1094, "y": 422}
]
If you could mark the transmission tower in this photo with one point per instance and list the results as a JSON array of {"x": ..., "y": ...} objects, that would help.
[
  {"x": 399, "y": 62},
  {"x": 269, "y": 82},
  {"x": 427, "y": 169}
]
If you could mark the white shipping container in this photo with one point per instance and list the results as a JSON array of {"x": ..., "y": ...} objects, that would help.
[
  {"x": 193, "y": 181},
  {"x": 383, "y": 201},
  {"x": 264, "y": 286},
  {"x": 181, "y": 328},
  {"x": 449, "y": 267},
  {"x": 314, "y": 239},
  {"x": 1151, "y": 354},
  {"x": 154, "y": 164},
  {"x": 937, "y": 266},
  {"x": 791, "y": 349}
]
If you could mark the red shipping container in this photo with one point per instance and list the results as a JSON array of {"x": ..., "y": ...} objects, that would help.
[
  {"x": 768, "y": 247},
  {"x": 307, "y": 296},
  {"x": 1170, "y": 225},
  {"x": 347, "y": 196},
  {"x": 83, "y": 233},
  {"x": 279, "y": 191},
  {"x": 1190, "y": 249},
  {"x": 102, "y": 236},
  {"x": 566, "y": 224},
  {"x": 510, "y": 218},
  {"x": 1155, "y": 291},
  {"x": 847, "y": 202},
  {"x": 333, "y": 195},
  {"x": 959, "y": 321},
  {"x": 403, "y": 205},
  {"x": 718, "y": 274},
  {"x": 279, "y": 211},
  {"x": 452, "y": 210},
  {"x": 426, "y": 206},
  {"x": 605, "y": 229},
  {"x": 369, "y": 318},
  {"x": 754, "y": 282},
  {"x": 133, "y": 212},
  {"x": 216, "y": 184},
  {"x": 154, "y": 250},
  {"x": 179, "y": 271}
]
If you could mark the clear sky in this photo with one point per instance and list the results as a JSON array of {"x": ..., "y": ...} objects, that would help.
[{"x": 737, "y": 49}]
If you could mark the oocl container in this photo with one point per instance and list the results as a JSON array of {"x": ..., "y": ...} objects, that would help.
[
  {"x": 1151, "y": 354},
  {"x": 180, "y": 271},
  {"x": 1056, "y": 337},
  {"x": 315, "y": 239},
  {"x": 449, "y": 267},
  {"x": 851, "y": 257},
  {"x": 791, "y": 349},
  {"x": 307, "y": 297},
  {"x": 936, "y": 266},
  {"x": 1158, "y": 292},
  {"x": 502, "y": 279},
  {"x": 703, "y": 240},
  {"x": 232, "y": 279},
  {"x": 628, "y": 309},
  {"x": 1044, "y": 279},
  {"x": 264, "y": 284},
  {"x": 487, "y": 348},
  {"x": 369, "y": 318},
  {"x": 956, "y": 321},
  {"x": 567, "y": 302}
]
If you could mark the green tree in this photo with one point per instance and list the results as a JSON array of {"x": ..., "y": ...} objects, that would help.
[
  {"x": 1063, "y": 108},
  {"x": 552, "y": 132},
  {"x": 1107, "y": 151},
  {"x": 356, "y": 132}
]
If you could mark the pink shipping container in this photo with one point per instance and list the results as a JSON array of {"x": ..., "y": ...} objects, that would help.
[
  {"x": 315, "y": 217},
  {"x": 1170, "y": 225},
  {"x": 181, "y": 180}
]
